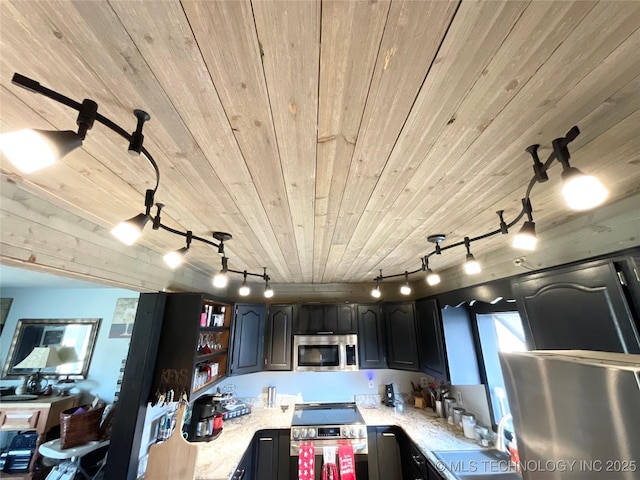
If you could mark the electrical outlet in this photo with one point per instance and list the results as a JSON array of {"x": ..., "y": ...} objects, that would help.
[
  {"x": 459, "y": 397},
  {"x": 423, "y": 382},
  {"x": 371, "y": 384}
]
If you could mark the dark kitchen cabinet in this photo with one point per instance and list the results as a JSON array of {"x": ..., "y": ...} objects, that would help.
[
  {"x": 371, "y": 338},
  {"x": 385, "y": 462},
  {"x": 244, "y": 470},
  {"x": 414, "y": 463},
  {"x": 402, "y": 347},
  {"x": 430, "y": 339},
  {"x": 277, "y": 345},
  {"x": 327, "y": 319},
  {"x": 248, "y": 339},
  {"x": 192, "y": 352},
  {"x": 577, "y": 307}
]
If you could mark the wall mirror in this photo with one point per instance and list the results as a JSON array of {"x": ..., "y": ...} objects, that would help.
[{"x": 53, "y": 347}]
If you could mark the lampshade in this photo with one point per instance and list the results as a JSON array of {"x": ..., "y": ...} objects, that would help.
[
  {"x": 376, "y": 292},
  {"x": 175, "y": 258},
  {"x": 32, "y": 150},
  {"x": 220, "y": 279},
  {"x": 130, "y": 230},
  {"x": 268, "y": 291},
  {"x": 67, "y": 355},
  {"x": 432, "y": 277},
  {"x": 580, "y": 191},
  {"x": 41, "y": 357},
  {"x": 526, "y": 238},
  {"x": 244, "y": 289},
  {"x": 471, "y": 266}
]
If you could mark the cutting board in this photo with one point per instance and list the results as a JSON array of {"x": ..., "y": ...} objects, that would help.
[{"x": 174, "y": 458}]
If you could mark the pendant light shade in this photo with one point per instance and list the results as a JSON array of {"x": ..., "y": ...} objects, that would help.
[
  {"x": 175, "y": 258},
  {"x": 220, "y": 279},
  {"x": 375, "y": 292},
  {"x": 526, "y": 238},
  {"x": 471, "y": 265},
  {"x": 244, "y": 289},
  {"x": 580, "y": 191},
  {"x": 405, "y": 289},
  {"x": 268, "y": 291},
  {"x": 33, "y": 150},
  {"x": 432, "y": 277},
  {"x": 130, "y": 230}
]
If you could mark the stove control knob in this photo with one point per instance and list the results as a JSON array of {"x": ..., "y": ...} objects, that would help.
[
  {"x": 312, "y": 433},
  {"x": 361, "y": 432},
  {"x": 296, "y": 433},
  {"x": 304, "y": 433},
  {"x": 347, "y": 432}
]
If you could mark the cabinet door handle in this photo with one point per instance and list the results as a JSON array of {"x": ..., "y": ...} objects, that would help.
[
  {"x": 239, "y": 475},
  {"x": 418, "y": 460},
  {"x": 325, "y": 333}
]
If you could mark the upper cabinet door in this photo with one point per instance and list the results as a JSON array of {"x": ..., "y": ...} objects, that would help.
[
  {"x": 347, "y": 322},
  {"x": 371, "y": 342},
  {"x": 278, "y": 338},
  {"x": 581, "y": 307},
  {"x": 401, "y": 336},
  {"x": 430, "y": 339},
  {"x": 248, "y": 335}
]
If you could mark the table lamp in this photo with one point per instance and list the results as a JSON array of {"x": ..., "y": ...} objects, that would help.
[
  {"x": 39, "y": 358},
  {"x": 68, "y": 355}
]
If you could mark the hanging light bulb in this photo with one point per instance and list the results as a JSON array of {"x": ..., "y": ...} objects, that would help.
[
  {"x": 130, "y": 230},
  {"x": 405, "y": 289},
  {"x": 580, "y": 191},
  {"x": 268, "y": 291},
  {"x": 375, "y": 292},
  {"x": 432, "y": 277},
  {"x": 220, "y": 279},
  {"x": 471, "y": 265},
  {"x": 175, "y": 258},
  {"x": 526, "y": 238},
  {"x": 244, "y": 289}
]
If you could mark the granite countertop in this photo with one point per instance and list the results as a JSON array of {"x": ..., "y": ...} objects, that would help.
[{"x": 218, "y": 459}]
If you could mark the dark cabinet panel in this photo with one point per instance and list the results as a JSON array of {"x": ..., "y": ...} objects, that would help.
[
  {"x": 325, "y": 319},
  {"x": 579, "y": 307},
  {"x": 371, "y": 342},
  {"x": 430, "y": 339},
  {"x": 248, "y": 336},
  {"x": 389, "y": 462},
  {"x": 402, "y": 345},
  {"x": 347, "y": 322},
  {"x": 278, "y": 337}
]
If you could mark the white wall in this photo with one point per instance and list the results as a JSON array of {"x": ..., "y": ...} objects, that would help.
[
  {"x": 321, "y": 386},
  {"x": 74, "y": 303}
]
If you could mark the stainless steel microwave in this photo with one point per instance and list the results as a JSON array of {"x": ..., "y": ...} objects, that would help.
[{"x": 325, "y": 353}]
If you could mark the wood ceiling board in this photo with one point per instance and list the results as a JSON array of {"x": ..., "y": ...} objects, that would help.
[
  {"x": 227, "y": 38},
  {"x": 289, "y": 33},
  {"x": 165, "y": 40},
  {"x": 398, "y": 76},
  {"x": 475, "y": 35},
  {"x": 351, "y": 36},
  {"x": 519, "y": 110}
]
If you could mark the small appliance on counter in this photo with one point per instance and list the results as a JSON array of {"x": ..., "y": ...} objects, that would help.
[
  {"x": 232, "y": 410},
  {"x": 391, "y": 395},
  {"x": 206, "y": 422}
]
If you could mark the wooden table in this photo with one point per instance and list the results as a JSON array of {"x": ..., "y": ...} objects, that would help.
[{"x": 38, "y": 415}]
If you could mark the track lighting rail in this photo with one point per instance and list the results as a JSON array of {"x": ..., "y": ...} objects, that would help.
[
  {"x": 561, "y": 154},
  {"x": 130, "y": 230}
]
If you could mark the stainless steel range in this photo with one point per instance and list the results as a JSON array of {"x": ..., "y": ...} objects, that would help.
[{"x": 328, "y": 424}]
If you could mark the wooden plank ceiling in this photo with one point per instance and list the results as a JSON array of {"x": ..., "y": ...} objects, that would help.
[{"x": 329, "y": 137}]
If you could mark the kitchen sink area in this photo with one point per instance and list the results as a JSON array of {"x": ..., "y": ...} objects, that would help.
[{"x": 477, "y": 464}]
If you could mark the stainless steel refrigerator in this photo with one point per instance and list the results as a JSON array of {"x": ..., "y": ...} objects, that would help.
[{"x": 576, "y": 413}]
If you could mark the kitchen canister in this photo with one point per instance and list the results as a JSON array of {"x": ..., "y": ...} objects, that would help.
[
  {"x": 271, "y": 397},
  {"x": 449, "y": 403},
  {"x": 457, "y": 416},
  {"x": 468, "y": 425}
]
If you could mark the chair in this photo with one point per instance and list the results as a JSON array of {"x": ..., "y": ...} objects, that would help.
[{"x": 52, "y": 449}]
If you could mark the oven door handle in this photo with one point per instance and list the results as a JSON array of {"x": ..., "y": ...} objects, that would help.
[{"x": 295, "y": 446}]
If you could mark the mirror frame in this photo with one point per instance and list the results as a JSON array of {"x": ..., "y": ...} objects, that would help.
[{"x": 10, "y": 361}]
